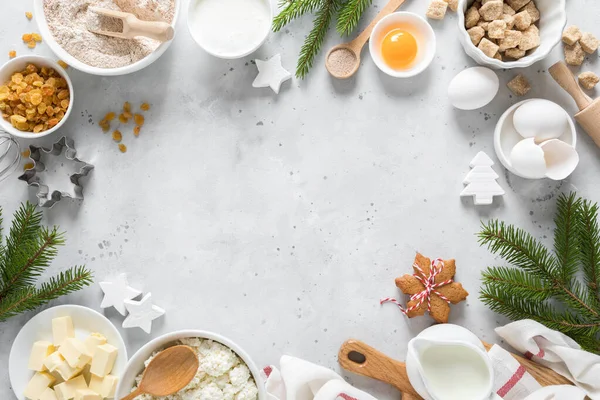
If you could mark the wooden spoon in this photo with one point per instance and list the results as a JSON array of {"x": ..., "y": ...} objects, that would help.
[
  {"x": 132, "y": 26},
  {"x": 346, "y": 56},
  {"x": 169, "y": 372}
]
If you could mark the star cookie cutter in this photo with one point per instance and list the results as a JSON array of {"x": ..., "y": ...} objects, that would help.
[{"x": 47, "y": 198}]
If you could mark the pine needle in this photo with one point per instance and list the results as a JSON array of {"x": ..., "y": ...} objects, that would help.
[
  {"x": 350, "y": 15},
  {"x": 566, "y": 245},
  {"x": 293, "y": 9},
  {"x": 589, "y": 237}
]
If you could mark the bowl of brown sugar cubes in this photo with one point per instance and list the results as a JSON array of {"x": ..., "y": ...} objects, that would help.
[
  {"x": 36, "y": 95},
  {"x": 504, "y": 34}
]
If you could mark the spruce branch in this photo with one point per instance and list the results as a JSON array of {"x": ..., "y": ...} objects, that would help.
[
  {"x": 519, "y": 283},
  {"x": 293, "y": 9},
  {"x": 566, "y": 246},
  {"x": 350, "y": 15},
  {"x": 315, "y": 38},
  {"x": 589, "y": 239}
]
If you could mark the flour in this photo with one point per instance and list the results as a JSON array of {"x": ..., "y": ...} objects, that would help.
[{"x": 69, "y": 21}]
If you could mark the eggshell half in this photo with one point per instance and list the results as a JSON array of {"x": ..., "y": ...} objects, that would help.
[
  {"x": 473, "y": 88},
  {"x": 527, "y": 158},
  {"x": 561, "y": 159},
  {"x": 541, "y": 119}
]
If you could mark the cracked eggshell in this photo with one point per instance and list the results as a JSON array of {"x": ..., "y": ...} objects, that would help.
[
  {"x": 541, "y": 119},
  {"x": 561, "y": 159},
  {"x": 527, "y": 158},
  {"x": 473, "y": 88}
]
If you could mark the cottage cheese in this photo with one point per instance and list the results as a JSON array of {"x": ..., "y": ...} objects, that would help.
[{"x": 222, "y": 375}]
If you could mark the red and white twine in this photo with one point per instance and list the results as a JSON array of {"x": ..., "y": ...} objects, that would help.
[{"x": 437, "y": 266}]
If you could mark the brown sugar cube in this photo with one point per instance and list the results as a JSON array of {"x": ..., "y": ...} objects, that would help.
[
  {"x": 519, "y": 85},
  {"x": 517, "y": 4},
  {"x": 574, "y": 55},
  {"x": 515, "y": 53},
  {"x": 477, "y": 5},
  {"x": 510, "y": 21},
  {"x": 511, "y": 40},
  {"x": 498, "y": 56},
  {"x": 476, "y": 33},
  {"x": 588, "y": 80},
  {"x": 530, "y": 39},
  {"x": 472, "y": 17},
  {"x": 589, "y": 43},
  {"x": 489, "y": 48},
  {"x": 452, "y": 4},
  {"x": 522, "y": 20},
  {"x": 571, "y": 35},
  {"x": 496, "y": 29},
  {"x": 437, "y": 9},
  {"x": 483, "y": 24},
  {"x": 506, "y": 9},
  {"x": 533, "y": 12},
  {"x": 491, "y": 10}
]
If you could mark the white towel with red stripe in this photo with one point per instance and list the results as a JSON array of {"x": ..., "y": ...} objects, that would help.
[
  {"x": 556, "y": 351},
  {"x": 301, "y": 380}
]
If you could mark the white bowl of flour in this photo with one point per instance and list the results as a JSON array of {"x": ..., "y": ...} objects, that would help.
[{"x": 64, "y": 26}]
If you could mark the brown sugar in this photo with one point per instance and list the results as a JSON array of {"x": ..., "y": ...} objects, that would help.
[{"x": 341, "y": 62}]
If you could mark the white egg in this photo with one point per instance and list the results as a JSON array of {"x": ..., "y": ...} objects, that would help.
[
  {"x": 473, "y": 88},
  {"x": 527, "y": 158},
  {"x": 561, "y": 159},
  {"x": 541, "y": 119}
]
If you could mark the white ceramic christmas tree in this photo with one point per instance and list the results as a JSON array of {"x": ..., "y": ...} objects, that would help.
[{"x": 481, "y": 181}]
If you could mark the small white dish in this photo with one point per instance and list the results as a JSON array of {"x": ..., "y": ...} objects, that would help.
[
  {"x": 208, "y": 40},
  {"x": 506, "y": 137},
  {"x": 38, "y": 11},
  {"x": 18, "y": 64},
  {"x": 553, "y": 18},
  {"x": 136, "y": 365},
  {"x": 85, "y": 321},
  {"x": 418, "y": 27}
]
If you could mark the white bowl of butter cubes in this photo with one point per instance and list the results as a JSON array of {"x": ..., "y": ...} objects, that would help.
[
  {"x": 225, "y": 370},
  {"x": 67, "y": 352}
]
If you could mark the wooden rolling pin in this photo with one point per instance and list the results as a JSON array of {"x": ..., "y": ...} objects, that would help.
[
  {"x": 589, "y": 110},
  {"x": 360, "y": 358}
]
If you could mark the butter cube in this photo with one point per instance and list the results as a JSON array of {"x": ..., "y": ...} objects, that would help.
[
  {"x": 37, "y": 385},
  {"x": 52, "y": 361},
  {"x": 39, "y": 352},
  {"x": 75, "y": 352},
  {"x": 62, "y": 328},
  {"x": 87, "y": 394},
  {"x": 105, "y": 387},
  {"x": 93, "y": 341},
  {"x": 104, "y": 360},
  {"x": 67, "y": 390},
  {"x": 66, "y": 371},
  {"x": 87, "y": 374},
  {"x": 48, "y": 394}
]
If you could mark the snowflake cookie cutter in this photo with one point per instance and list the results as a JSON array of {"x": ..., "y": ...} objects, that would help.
[{"x": 46, "y": 197}]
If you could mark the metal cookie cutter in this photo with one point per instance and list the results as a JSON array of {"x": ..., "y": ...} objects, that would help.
[{"x": 47, "y": 198}]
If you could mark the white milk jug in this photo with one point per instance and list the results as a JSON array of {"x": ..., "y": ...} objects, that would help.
[{"x": 448, "y": 362}]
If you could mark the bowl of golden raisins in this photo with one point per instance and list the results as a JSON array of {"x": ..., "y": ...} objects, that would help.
[{"x": 36, "y": 95}]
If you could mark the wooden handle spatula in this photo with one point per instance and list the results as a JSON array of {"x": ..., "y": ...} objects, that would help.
[{"x": 132, "y": 26}]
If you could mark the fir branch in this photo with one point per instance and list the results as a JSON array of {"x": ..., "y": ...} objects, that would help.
[
  {"x": 30, "y": 297},
  {"x": 350, "y": 15},
  {"x": 589, "y": 242},
  {"x": 315, "y": 38},
  {"x": 519, "y": 283},
  {"x": 293, "y": 9},
  {"x": 566, "y": 245}
]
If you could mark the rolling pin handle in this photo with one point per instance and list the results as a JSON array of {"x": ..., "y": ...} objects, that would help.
[{"x": 565, "y": 78}]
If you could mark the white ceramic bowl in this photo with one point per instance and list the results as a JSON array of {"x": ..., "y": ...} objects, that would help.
[
  {"x": 553, "y": 18},
  {"x": 229, "y": 56},
  {"x": 19, "y": 63},
  {"x": 414, "y": 24},
  {"x": 38, "y": 11},
  {"x": 136, "y": 365},
  {"x": 506, "y": 137},
  {"x": 85, "y": 321}
]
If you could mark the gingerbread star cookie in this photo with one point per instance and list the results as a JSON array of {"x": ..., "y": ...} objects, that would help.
[{"x": 431, "y": 288}]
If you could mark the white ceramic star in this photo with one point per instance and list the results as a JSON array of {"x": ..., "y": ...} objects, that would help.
[
  {"x": 271, "y": 73},
  {"x": 142, "y": 313},
  {"x": 116, "y": 292}
]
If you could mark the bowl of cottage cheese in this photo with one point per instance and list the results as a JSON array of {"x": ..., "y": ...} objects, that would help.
[{"x": 225, "y": 371}]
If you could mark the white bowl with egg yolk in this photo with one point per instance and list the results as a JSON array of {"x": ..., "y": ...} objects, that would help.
[{"x": 413, "y": 24}]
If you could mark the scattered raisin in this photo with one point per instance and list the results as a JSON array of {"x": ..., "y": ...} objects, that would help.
[
  {"x": 122, "y": 147},
  {"x": 117, "y": 136},
  {"x": 29, "y": 15},
  {"x": 139, "y": 119}
]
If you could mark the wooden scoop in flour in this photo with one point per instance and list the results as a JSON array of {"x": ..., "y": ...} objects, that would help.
[
  {"x": 132, "y": 26},
  {"x": 589, "y": 110}
]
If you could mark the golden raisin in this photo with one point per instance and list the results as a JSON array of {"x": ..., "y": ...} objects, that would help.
[
  {"x": 29, "y": 15},
  {"x": 128, "y": 115},
  {"x": 52, "y": 122},
  {"x": 123, "y": 119},
  {"x": 63, "y": 64},
  {"x": 145, "y": 106},
  {"x": 31, "y": 44},
  {"x": 12, "y": 54},
  {"x": 127, "y": 107},
  {"x": 28, "y": 166},
  {"x": 136, "y": 131},
  {"x": 64, "y": 104},
  {"x": 117, "y": 136},
  {"x": 37, "y": 37},
  {"x": 26, "y": 153},
  {"x": 27, "y": 37},
  {"x": 139, "y": 119},
  {"x": 110, "y": 116},
  {"x": 122, "y": 147},
  {"x": 63, "y": 94}
]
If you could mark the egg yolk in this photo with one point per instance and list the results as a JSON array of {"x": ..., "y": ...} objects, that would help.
[{"x": 398, "y": 49}]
